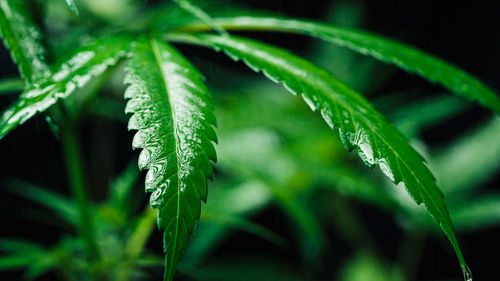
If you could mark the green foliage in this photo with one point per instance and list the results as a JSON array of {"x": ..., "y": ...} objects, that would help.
[
  {"x": 360, "y": 126},
  {"x": 23, "y": 38},
  {"x": 11, "y": 85},
  {"x": 172, "y": 113},
  {"x": 73, "y": 73},
  {"x": 390, "y": 51},
  {"x": 287, "y": 159}
]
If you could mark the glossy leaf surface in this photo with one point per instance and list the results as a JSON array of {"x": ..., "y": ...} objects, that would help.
[
  {"x": 83, "y": 65},
  {"x": 405, "y": 57},
  {"x": 360, "y": 126},
  {"x": 21, "y": 35},
  {"x": 173, "y": 116}
]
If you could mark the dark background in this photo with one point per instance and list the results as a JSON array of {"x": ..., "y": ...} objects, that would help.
[{"x": 462, "y": 32}]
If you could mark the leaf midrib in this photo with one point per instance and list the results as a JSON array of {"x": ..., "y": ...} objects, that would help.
[{"x": 156, "y": 53}]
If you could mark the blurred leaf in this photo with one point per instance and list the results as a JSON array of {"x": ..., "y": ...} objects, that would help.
[
  {"x": 366, "y": 267},
  {"x": 173, "y": 115},
  {"x": 11, "y": 85},
  {"x": 415, "y": 117},
  {"x": 354, "y": 184},
  {"x": 21, "y": 35},
  {"x": 20, "y": 247},
  {"x": 62, "y": 206},
  {"x": 476, "y": 212},
  {"x": 15, "y": 262},
  {"x": 241, "y": 223},
  {"x": 86, "y": 63},
  {"x": 26, "y": 254},
  {"x": 469, "y": 212},
  {"x": 475, "y": 155},
  {"x": 120, "y": 190},
  {"x": 235, "y": 199},
  {"x": 40, "y": 267},
  {"x": 261, "y": 160},
  {"x": 136, "y": 243},
  {"x": 360, "y": 126},
  {"x": 113, "y": 11}
]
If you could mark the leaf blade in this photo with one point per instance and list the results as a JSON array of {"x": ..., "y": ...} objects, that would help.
[
  {"x": 86, "y": 63},
  {"x": 172, "y": 114},
  {"x": 21, "y": 35},
  {"x": 386, "y": 50},
  {"x": 360, "y": 126}
]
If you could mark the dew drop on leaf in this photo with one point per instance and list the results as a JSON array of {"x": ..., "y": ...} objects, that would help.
[{"x": 385, "y": 168}]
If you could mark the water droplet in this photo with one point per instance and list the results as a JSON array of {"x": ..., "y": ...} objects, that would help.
[
  {"x": 366, "y": 153},
  {"x": 327, "y": 116},
  {"x": 156, "y": 198},
  {"x": 384, "y": 167},
  {"x": 467, "y": 273},
  {"x": 145, "y": 158}
]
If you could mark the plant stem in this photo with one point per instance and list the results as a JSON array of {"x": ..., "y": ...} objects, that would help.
[{"x": 72, "y": 155}]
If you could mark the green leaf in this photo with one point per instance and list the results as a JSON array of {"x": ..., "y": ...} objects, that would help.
[
  {"x": 61, "y": 206},
  {"x": 475, "y": 155},
  {"x": 173, "y": 115},
  {"x": 476, "y": 212},
  {"x": 360, "y": 126},
  {"x": 10, "y": 85},
  {"x": 120, "y": 189},
  {"x": 83, "y": 65},
  {"x": 243, "y": 224},
  {"x": 413, "y": 118},
  {"x": 233, "y": 199},
  {"x": 15, "y": 262},
  {"x": 21, "y": 35},
  {"x": 405, "y": 57},
  {"x": 72, "y": 6},
  {"x": 25, "y": 254},
  {"x": 261, "y": 159},
  {"x": 202, "y": 15},
  {"x": 19, "y": 246}
]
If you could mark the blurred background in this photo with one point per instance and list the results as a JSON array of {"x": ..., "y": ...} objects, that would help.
[{"x": 288, "y": 202}]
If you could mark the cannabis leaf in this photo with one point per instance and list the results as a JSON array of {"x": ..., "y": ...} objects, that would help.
[
  {"x": 23, "y": 38},
  {"x": 173, "y": 116},
  {"x": 408, "y": 58},
  {"x": 360, "y": 126},
  {"x": 84, "y": 64}
]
